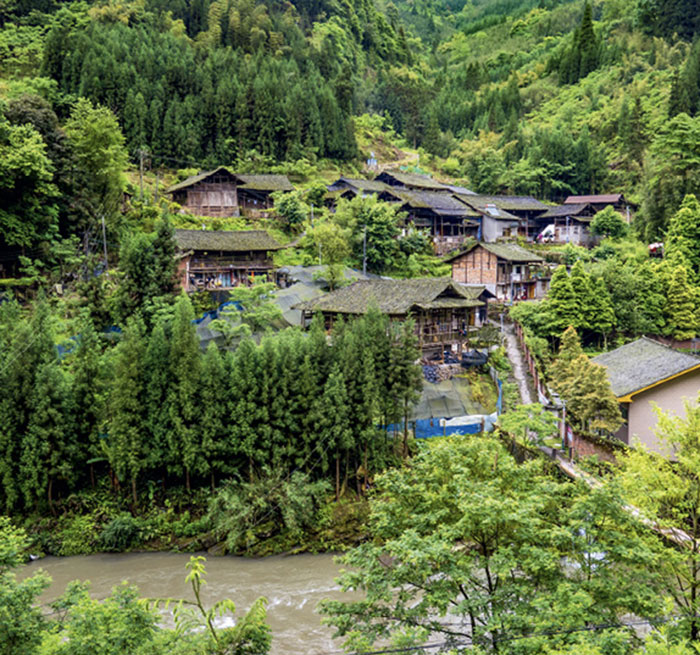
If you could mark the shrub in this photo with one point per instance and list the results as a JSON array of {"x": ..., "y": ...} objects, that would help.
[{"x": 119, "y": 533}]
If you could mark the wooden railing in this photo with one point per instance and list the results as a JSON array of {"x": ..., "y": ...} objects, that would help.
[{"x": 224, "y": 264}]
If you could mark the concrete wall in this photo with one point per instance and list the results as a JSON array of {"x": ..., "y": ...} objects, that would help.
[
  {"x": 669, "y": 397},
  {"x": 492, "y": 229}
]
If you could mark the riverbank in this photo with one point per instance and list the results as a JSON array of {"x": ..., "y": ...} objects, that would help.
[{"x": 99, "y": 521}]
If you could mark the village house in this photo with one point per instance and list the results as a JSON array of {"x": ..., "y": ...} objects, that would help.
[
  {"x": 448, "y": 220},
  {"x": 567, "y": 224},
  {"x": 443, "y": 311},
  {"x": 219, "y": 260},
  {"x": 645, "y": 374},
  {"x": 222, "y": 193},
  {"x": 599, "y": 202},
  {"x": 506, "y": 215},
  {"x": 507, "y": 270},
  {"x": 348, "y": 188}
]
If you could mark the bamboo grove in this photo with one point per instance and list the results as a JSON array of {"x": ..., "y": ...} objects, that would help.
[{"x": 153, "y": 406}]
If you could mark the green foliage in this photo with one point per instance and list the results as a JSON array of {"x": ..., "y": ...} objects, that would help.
[
  {"x": 682, "y": 243},
  {"x": 667, "y": 494},
  {"x": 21, "y": 620},
  {"x": 529, "y": 424},
  {"x": 119, "y": 533},
  {"x": 258, "y": 313},
  {"x": 250, "y": 635},
  {"x": 242, "y": 510},
  {"x": 466, "y": 530},
  {"x": 609, "y": 223}
]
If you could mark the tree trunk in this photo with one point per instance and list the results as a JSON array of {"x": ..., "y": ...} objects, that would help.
[
  {"x": 405, "y": 428},
  {"x": 337, "y": 477},
  {"x": 213, "y": 481},
  {"x": 92, "y": 475},
  {"x": 133, "y": 492},
  {"x": 365, "y": 467},
  {"x": 187, "y": 480},
  {"x": 49, "y": 496}
]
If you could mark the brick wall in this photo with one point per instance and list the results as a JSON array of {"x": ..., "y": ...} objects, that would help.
[
  {"x": 478, "y": 266},
  {"x": 584, "y": 447}
]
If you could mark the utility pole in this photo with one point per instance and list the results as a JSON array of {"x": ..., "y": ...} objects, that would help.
[
  {"x": 141, "y": 173},
  {"x": 104, "y": 241},
  {"x": 364, "y": 251}
]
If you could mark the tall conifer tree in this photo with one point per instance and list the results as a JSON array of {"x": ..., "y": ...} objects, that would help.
[{"x": 183, "y": 398}]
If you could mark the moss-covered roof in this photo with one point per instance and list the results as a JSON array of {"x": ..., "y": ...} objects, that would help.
[
  {"x": 244, "y": 181},
  {"x": 265, "y": 182},
  {"x": 225, "y": 241},
  {"x": 440, "y": 203},
  {"x": 394, "y": 297},
  {"x": 511, "y": 252},
  {"x": 642, "y": 364},
  {"x": 371, "y": 186},
  {"x": 506, "y": 203},
  {"x": 413, "y": 180}
]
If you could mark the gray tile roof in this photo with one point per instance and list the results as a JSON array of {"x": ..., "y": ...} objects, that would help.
[
  {"x": 579, "y": 211},
  {"x": 225, "y": 241},
  {"x": 507, "y": 203},
  {"x": 604, "y": 198},
  {"x": 395, "y": 297},
  {"x": 245, "y": 181},
  {"x": 414, "y": 180},
  {"x": 371, "y": 186},
  {"x": 442, "y": 203},
  {"x": 643, "y": 363},
  {"x": 511, "y": 252}
]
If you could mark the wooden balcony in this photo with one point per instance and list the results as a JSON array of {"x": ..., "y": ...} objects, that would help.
[{"x": 220, "y": 264}]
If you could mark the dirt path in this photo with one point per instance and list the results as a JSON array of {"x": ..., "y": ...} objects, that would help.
[{"x": 519, "y": 369}]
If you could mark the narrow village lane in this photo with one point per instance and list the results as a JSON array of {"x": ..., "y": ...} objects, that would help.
[{"x": 516, "y": 359}]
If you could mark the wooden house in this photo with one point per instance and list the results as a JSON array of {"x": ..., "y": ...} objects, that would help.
[
  {"x": 505, "y": 269},
  {"x": 223, "y": 193},
  {"x": 220, "y": 260},
  {"x": 443, "y": 310},
  {"x": 598, "y": 202},
  {"x": 448, "y": 220},
  {"x": 348, "y": 188},
  {"x": 567, "y": 224},
  {"x": 506, "y": 216},
  {"x": 646, "y": 374}
]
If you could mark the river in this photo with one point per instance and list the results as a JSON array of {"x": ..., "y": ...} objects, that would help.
[{"x": 292, "y": 585}]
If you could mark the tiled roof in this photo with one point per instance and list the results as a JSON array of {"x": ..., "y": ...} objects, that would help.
[
  {"x": 265, "y": 182},
  {"x": 415, "y": 180},
  {"x": 506, "y": 203},
  {"x": 245, "y": 181},
  {"x": 229, "y": 241},
  {"x": 643, "y": 363},
  {"x": 371, "y": 186},
  {"x": 509, "y": 251},
  {"x": 605, "y": 198},
  {"x": 442, "y": 203},
  {"x": 395, "y": 297},
  {"x": 578, "y": 210}
]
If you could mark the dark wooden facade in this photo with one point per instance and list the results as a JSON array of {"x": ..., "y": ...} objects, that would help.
[
  {"x": 223, "y": 260},
  {"x": 221, "y": 193},
  {"x": 444, "y": 312}
]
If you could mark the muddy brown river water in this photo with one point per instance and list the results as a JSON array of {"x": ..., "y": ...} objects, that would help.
[{"x": 292, "y": 585}]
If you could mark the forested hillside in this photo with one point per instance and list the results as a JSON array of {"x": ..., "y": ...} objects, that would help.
[{"x": 541, "y": 97}]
